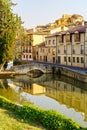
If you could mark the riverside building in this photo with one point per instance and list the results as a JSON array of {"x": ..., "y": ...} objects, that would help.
[{"x": 67, "y": 47}]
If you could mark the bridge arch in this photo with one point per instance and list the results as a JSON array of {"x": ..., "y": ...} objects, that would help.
[
  {"x": 38, "y": 70},
  {"x": 35, "y": 73}
]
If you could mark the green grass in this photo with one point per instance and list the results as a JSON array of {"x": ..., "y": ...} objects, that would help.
[{"x": 10, "y": 121}]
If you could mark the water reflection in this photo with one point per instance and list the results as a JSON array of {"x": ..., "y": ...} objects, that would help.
[
  {"x": 9, "y": 93},
  {"x": 66, "y": 95}
]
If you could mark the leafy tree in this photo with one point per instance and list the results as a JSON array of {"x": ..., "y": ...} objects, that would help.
[
  {"x": 21, "y": 40},
  {"x": 10, "y": 24}
]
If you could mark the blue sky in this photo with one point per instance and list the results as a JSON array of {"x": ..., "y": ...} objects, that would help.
[{"x": 41, "y": 12}]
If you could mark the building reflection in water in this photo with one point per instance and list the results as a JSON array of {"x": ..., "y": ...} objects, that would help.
[
  {"x": 71, "y": 93},
  {"x": 33, "y": 88}
]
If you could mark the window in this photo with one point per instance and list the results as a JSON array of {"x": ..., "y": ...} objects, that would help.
[
  {"x": 65, "y": 59},
  {"x": 61, "y": 38},
  {"x": 82, "y": 49},
  {"x": 73, "y": 59},
  {"x": 64, "y": 49},
  {"x": 68, "y": 38},
  {"x": 58, "y": 51},
  {"x": 73, "y": 49},
  {"x": 30, "y": 56},
  {"x": 43, "y": 49},
  {"x": 77, "y": 59},
  {"x": 77, "y": 37},
  {"x": 49, "y": 42},
  {"x": 30, "y": 43},
  {"x": 26, "y": 51},
  {"x": 53, "y": 42},
  {"x": 26, "y": 56},
  {"x": 69, "y": 59},
  {"x": 23, "y": 56},
  {"x": 41, "y": 58},
  {"x": 82, "y": 60},
  {"x": 37, "y": 52},
  {"x": 29, "y": 50}
]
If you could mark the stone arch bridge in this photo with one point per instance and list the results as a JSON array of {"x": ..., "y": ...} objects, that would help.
[
  {"x": 73, "y": 72},
  {"x": 26, "y": 68}
]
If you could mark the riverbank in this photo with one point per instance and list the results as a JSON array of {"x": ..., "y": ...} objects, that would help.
[
  {"x": 49, "y": 119},
  {"x": 10, "y": 121},
  {"x": 7, "y": 73}
]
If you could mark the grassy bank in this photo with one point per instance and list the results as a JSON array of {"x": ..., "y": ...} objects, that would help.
[
  {"x": 51, "y": 120},
  {"x": 10, "y": 121}
]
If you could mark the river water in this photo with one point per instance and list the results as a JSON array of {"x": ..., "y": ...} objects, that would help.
[{"x": 65, "y": 95}]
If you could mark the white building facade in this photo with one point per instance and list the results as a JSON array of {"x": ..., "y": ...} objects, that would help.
[{"x": 68, "y": 47}]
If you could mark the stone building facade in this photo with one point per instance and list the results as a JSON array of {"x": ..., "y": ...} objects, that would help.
[{"x": 66, "y": 47}]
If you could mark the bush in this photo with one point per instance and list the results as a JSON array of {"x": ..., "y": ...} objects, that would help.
[
  {"x": 30, "y": 112},
  {"x": 16, "y": 62},
  {"x": 50, "y": 119}
]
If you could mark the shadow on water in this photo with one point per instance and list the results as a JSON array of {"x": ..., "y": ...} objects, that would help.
[{"x": 35, "y": 73}]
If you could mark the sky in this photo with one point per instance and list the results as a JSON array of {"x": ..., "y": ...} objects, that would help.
[{"x": 42, "y": 12}]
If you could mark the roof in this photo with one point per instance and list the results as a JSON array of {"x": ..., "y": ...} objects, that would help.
[
  {"x": 42, "y": 44},
  {"x": 56, "y": 34},
  {"x": 79, "y": 28}
]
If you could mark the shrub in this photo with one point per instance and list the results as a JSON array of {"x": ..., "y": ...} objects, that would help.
[
  {"x": 30, "y": 112},
  {"x": 7, "y": 104},
  {"x": 50, "y": 119},
  {"x": 16, "y": 62}
]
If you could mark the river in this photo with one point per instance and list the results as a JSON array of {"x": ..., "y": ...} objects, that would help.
[{"x": 65, "y": 95}]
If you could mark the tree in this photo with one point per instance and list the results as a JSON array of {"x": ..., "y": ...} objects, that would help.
[
  {"x": 21, "y": 40},
  {"x": 10, "y": 24}
]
